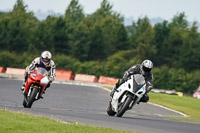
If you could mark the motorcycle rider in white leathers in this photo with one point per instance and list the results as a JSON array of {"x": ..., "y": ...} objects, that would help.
[
  {"x": 144, "y": 69},
  {"x": 45, "y": 62}
]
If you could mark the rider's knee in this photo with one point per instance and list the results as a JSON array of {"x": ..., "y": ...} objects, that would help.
[
  {"x": 145, "y": 98},
  {"x": 48, "y": 85}
]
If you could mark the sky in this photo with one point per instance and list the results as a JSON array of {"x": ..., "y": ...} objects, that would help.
[{"x": 165, "y": 9}]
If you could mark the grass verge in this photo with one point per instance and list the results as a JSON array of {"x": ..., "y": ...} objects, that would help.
[
  {"x": 23, "y": 123},
  {"x": 187, "y": 105}
]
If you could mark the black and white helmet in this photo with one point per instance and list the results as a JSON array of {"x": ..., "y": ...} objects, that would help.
[
  {"x": 146, "y": 67},
  {"x": 46, "y": 57}
]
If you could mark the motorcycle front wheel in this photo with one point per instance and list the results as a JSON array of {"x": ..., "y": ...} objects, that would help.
[
  {"x": 124, "y": 106},
  {"x": 110, "y": 112},
  {"x": 24, "y": 103},
  {"x": 31, "y": 98}
]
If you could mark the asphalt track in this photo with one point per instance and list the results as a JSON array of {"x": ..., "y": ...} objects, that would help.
[{"x": 87, "y": 105}]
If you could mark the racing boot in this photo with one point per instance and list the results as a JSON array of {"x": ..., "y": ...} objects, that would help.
[
  {"x": 41, "y": 97},
  {"x": 24, "y": 82},
  {"x": 23, "y": 87},
  {"x": 144, "y": 99}
]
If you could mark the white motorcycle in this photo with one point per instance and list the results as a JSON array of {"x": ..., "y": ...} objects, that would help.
[{"x": 127, "y": 95}]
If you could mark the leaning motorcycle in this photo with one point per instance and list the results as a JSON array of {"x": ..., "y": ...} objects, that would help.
[
  {"x": 35, "y": 86},
  {"x": 127, "y": 95}
]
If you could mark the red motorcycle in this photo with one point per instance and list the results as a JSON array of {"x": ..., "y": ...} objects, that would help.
[{"x": 35, "y": 86}]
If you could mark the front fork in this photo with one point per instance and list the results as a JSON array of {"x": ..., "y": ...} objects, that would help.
[
  {"x": 29, "y": 93},
  {"x": 134, "y": 99}
]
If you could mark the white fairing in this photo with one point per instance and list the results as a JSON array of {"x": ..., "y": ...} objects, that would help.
[
  {"x": 128, "y": 87},
  {"x": 44, "y": 81}
]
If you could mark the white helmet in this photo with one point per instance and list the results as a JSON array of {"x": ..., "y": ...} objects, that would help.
[
  {"x": 46, "y": 57},
  {"x": 146, "y": 67}
]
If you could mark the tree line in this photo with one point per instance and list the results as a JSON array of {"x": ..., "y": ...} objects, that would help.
[{"x": 100, "y": 44}]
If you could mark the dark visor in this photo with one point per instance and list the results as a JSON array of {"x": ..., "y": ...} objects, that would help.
[
  {"x": 45, "y": 60},
  {"x": 146, "y": 69}
]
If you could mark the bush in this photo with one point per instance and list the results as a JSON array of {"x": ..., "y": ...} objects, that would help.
[
  {"x": 91, "y": 67},
  {"x": 175, "y": 79},
  {"x": 191, "y": 82},
  {"x": 11, "y": 59},
  {"x": 66, "y": 62},
  {"x": 117, "y": 64},
  {"x": 7, "y": 59}
]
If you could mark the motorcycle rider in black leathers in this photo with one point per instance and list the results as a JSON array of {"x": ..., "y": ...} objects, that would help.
[{"x": 144, "y": 69}]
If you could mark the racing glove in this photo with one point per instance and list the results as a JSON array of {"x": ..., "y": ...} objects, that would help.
[
  {"x": 51, "y": 79},
  {"x": 149, "y": 86}
]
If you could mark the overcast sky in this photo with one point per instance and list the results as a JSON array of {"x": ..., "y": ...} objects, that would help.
[{"x": 165, "y": 9}]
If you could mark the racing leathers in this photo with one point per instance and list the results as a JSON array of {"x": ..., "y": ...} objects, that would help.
[
  {"x": 136, "y": 69},
  {"x": 37, "y": 62}
]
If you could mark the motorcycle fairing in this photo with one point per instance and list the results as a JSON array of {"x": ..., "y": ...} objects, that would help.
[{"x": 131, "y": 86}]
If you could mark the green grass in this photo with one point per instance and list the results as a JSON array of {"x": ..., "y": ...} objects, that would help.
[
  {"x": 187, "y": 105},
  {"x": 24, "y": 123}
]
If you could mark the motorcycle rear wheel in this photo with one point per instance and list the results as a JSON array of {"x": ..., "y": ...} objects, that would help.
[{"x": 124, "y": 107}]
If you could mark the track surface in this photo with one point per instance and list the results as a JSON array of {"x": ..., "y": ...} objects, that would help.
[{"x": 87, "y": 105}]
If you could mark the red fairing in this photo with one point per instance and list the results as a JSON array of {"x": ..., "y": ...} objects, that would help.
[{"x": 34, "y": 78}]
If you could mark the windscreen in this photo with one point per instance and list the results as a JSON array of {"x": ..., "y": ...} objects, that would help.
[
  {"x": 139, "y": 79},
  {"x": 138, "y": 82},
  {"x": 42, "y": 71}
]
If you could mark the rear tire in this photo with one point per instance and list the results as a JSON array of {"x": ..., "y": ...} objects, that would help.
[
  {"x": 110, "y": 112},
  {"x": 31, "y": 98},
  {"x": 124, "y": 107}
]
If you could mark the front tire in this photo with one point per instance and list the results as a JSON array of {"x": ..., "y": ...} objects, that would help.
[
  {"x": 24, "y": 103},
  {"x": 31, "y": 98},
  {"x": 124, "y": 107},
  {"x": 110, "y": 112}
]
